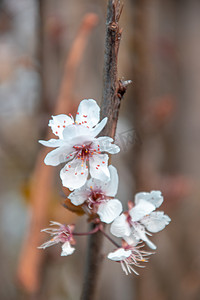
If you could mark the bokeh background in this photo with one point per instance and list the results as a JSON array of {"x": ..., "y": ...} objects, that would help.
[{"x": 51, "y": 57}]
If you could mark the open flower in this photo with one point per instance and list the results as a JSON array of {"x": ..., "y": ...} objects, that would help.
[
  {"x": 62, "y": 234},
  {"x": 96, "y": 196},
  {"x": 78, "y": 146},
  {"x": 129, "y": 256},
  {"x": 132, "y": 225}
]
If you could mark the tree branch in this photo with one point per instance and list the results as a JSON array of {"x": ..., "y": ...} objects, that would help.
[{"x": 113, "y": 91}]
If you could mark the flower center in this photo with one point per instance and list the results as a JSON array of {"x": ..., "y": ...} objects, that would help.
[
  {"x": 84, "y": 152},
  {"x": 65, "y": 233},
  {"x": 95, "y": 198}
]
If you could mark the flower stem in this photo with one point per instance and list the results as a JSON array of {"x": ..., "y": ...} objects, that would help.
[
  {"x": 87, "y": 233},
  {"x": 109, "y": 238}
]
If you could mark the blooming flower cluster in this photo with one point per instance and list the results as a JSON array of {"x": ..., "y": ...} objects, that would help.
[{"x": 86, "y": 155}]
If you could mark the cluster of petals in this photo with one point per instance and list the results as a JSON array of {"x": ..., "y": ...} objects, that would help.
[
  {"x": 60, "y": 234},
  {"x": 84, "y": 154},
  {"x": 79, "y": 146},
  {"x": 141, "y": 219},
  {"x": 96, "y": 196},
  {"x": 130, "y": 256}
]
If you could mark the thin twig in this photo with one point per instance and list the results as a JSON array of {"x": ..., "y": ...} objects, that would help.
[{"x": 113, "y": 91}]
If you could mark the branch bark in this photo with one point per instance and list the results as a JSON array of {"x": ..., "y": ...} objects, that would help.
[{"x": 113, "y": 91}]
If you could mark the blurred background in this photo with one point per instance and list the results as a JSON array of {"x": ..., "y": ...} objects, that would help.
[{"x": 51, "y": 57}]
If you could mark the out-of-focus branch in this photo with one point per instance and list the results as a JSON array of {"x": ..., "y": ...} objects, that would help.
[
  {"x": 113, "y": 91},
  {"x": 31, "y": 258}
]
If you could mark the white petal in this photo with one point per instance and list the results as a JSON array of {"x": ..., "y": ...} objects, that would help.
[
  {"x": 67, "y": 249},
  {"x": 106, "y": 145},
  {"x": 154, "y": 197},
  {"x": 99, "y": 166},
  {"x": 97, "y": 129},
  {"x": 79, "y": 196},
  {"x": 156, "y": 221},
  {"x": 119, "y": 254},
  {"x": 88, "y": 111},
  {"x": 120, "y": 227},
  {"x": 95, "y": 184},
  {"x": 140, "y": 210},
  {"x": 139, "y": 232},
  {"x": 110, "y": 187},
  {"x": 58, "y": 156},
  {"x": 52, "y": 143},
  {"x": 131, "y": 240},
  {"x": 59, "y": 123},
  {"x": 77, "y": 134},
  {"x": 74, "y": 174},
  {"x": 110, "y": 210}
]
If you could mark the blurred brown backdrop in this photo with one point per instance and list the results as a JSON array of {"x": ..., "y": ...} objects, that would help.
[{"x": 51, "y": 57}]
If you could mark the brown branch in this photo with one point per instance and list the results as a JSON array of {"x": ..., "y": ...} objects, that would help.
[
  {"x": 113, "y": 91},
  {"x": 31, "y": 258}
]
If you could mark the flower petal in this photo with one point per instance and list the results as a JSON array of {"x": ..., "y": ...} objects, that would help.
[
  {"x": 74, "y": 174},
  {"x": 109, "y": 210},
  {"x": 67, "y": 249},
  {"x": 79, "y": 196},
  {"x": 99, "y": 167},
  {"x": 106, "y": 145},
  {"x": 119, "y": 254},
  {"x": 120, "y": 227},
  {"x": 97, "y": 129},
  {"x": 139, "y": 232},
  {"x": 59, "y": 123},
  {"x": 88, "y": 113},
  {"x": 58, "y": 156},
  {"x": 154, "y": 197},
  {"x": 110, "y": 187},
  {"x": 77, "y": 134},
  {"x": 131, "y": 240},
  {"x": 52, "y": 143},
  {"x": 156, "y": 221},
  {"x": 140, "y": 210}
]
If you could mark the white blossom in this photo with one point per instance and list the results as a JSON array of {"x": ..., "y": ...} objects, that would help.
[
  {"x": 78, "y": 146},
  {"x": 62, "y": 234},
  {"x": 133, "y": 225},
  {"x": 98, "y": 195},
  {"x": 129, "y": 257}
]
